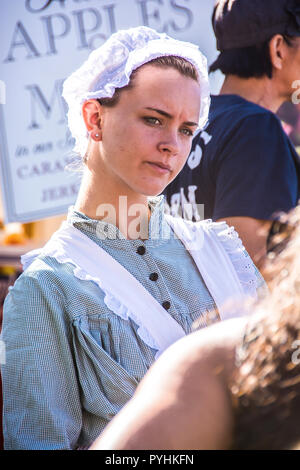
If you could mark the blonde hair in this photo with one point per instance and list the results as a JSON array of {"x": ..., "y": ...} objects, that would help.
[{"x": 265, "y": 386}]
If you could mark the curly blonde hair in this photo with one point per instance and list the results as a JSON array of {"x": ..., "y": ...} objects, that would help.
[{"x": 265, "y": 386}]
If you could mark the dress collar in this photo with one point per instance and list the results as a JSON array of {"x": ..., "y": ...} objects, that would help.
[{"x": 109, "y": 232}]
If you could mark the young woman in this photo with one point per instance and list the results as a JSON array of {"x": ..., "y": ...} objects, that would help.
[{"x": 115, "y": 286}]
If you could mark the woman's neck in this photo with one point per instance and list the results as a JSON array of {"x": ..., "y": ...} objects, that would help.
[{"x": 100, "y": 199}]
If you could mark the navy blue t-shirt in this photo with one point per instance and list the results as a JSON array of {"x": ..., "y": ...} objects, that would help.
[{"x": 243, "y": 164}]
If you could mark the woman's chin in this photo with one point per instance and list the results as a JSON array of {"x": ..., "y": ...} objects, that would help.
[
  {"x": 153, "y": 189},
  {"x": 152, "y": 192}
]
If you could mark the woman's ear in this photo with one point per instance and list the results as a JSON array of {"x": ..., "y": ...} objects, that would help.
[{"x": 92, "y": 112}]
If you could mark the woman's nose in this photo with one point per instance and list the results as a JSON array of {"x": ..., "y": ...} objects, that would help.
[{"x": 169, "y": 143}]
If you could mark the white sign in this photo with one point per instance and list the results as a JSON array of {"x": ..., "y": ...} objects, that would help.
[{"x": 42, "y": 42}]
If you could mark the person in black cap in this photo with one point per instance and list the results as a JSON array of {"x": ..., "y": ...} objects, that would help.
[{"x": 242, "y": 167}]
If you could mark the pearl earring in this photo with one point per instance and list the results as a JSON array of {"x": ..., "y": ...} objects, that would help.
[{"x": 95, "y": 136}]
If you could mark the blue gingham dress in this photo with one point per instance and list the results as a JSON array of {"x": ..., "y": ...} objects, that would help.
[{"x": 71, "y": 363}]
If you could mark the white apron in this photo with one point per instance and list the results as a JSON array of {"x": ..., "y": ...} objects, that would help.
[{"x": 215, "y": 254}]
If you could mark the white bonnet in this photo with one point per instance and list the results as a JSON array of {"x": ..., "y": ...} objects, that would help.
[{"x": 110, "y": 66}]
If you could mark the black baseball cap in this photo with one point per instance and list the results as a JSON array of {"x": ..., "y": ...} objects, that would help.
[{"x": 244, "y": 23}]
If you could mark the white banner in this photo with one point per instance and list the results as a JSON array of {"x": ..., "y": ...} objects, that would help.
[{"x": 42, "y": 42}]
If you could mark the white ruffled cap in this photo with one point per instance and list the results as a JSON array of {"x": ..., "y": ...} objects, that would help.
[{"x": 110, "y": 67}]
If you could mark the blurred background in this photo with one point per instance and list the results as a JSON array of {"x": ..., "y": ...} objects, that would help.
[{"x": 42, "y": 42}]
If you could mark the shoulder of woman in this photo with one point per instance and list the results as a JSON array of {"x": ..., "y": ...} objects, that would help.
[
  {"x": 44, "y": 276},
  {"x": 229, "y": 239}
]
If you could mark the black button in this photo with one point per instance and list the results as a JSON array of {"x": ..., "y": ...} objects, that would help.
[
  {"x": 153, "y": 277},
  {"x": 141, "y": 250},
  {"x": 166, "y": 305}
]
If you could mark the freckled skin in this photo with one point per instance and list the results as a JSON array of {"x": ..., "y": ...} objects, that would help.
[
  {"x": 140, "y": 135},
  {"x": 143, "y": 142}
]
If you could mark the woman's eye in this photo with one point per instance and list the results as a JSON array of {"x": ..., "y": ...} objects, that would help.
[
  {"x": 187, "y": 132},
  {"x": 151, "y": 120}
]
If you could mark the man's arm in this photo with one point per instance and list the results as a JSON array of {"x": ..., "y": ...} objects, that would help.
[
  {"x": 253, "y": 233},
  {"x": 183, "y": 401}
]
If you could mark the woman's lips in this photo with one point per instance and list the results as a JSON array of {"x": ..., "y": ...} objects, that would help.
[{"x": 160, "y": 167}]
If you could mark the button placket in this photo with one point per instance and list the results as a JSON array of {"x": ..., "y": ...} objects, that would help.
[{"x": 160, "y": 290}]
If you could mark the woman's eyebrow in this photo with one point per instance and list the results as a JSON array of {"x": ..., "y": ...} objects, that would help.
[{"x": 164, "y": 113}]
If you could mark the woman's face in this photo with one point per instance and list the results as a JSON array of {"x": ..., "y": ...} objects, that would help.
[{"x": 147, "y": 136}]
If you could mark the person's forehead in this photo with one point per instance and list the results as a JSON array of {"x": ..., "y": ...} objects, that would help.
[
  {"x": 154, "y": 78},
  {"x": 165, "y": 86}
]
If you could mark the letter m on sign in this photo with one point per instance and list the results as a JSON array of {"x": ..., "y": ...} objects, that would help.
[{"x": 41, "y": 107}]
